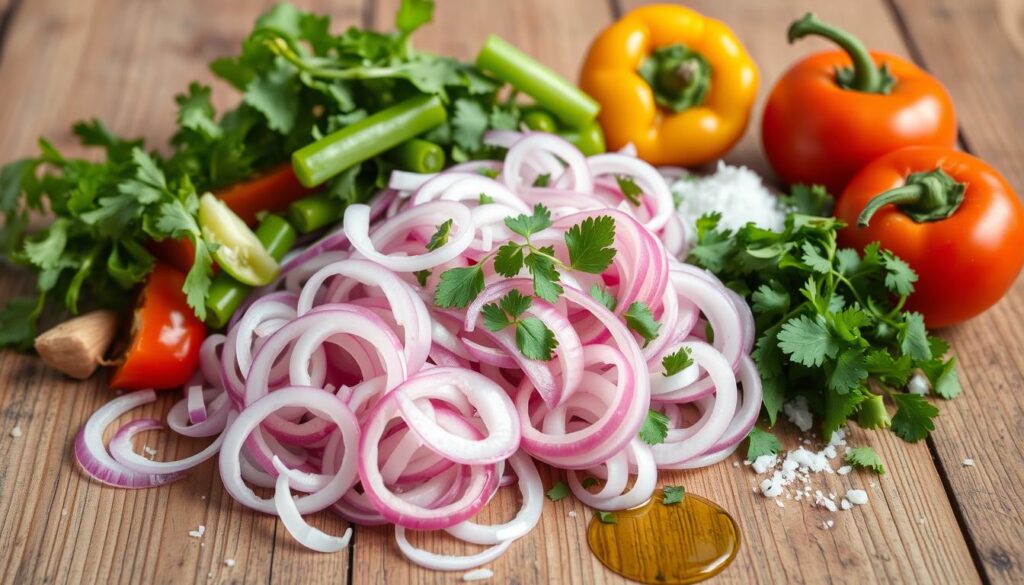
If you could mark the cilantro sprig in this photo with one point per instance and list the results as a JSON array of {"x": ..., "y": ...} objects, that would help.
[
  {"x": 533, "y": 338},
  {"x": 589, "y": 244},
  {"x": 831, "y": 323}
]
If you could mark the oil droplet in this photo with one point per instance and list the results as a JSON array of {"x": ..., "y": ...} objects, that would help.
[{"x": 679, "y": 543}]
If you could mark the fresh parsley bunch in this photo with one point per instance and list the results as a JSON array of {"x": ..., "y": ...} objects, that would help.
[{"x": 830, "y": 323}]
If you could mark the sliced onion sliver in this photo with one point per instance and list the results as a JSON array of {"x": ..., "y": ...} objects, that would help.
[
  {"x": 121, "y": 450},
  {"x": 438, "y": 562},
  {"x": 307, "y": 535},
  {"x": 93, "y": 457},
  {"x": 321, "y": 403}
]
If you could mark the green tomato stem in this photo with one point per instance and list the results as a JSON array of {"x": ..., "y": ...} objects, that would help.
[
  {"x": 866, "y": 75},
  {"x": 925, "y": 197}
]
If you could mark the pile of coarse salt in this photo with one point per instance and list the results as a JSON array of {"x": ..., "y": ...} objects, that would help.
[
  {"x": 789, "y": 476},
  {"x": 738, "y": 193}
]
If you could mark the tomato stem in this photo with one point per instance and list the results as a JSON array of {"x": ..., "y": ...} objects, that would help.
[
  {"x": 929, "y": 196},
  {"x": 865, "y": 76}
]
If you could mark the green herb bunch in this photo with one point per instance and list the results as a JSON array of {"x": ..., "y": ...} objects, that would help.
[
  {"x": 831, "y": 324},
  {"x": 299, "y": 81}
]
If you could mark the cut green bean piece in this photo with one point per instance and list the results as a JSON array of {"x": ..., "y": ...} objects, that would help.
[
  {"x": 561, "y": 97},
  {"x": 332, "y": 154},
  {"x": 418, "y": 156},
  {"x": 314, "y": 212}
]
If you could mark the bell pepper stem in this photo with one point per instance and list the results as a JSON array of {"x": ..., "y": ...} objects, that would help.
[
  {"x": 929, "y": 196},
  {"x": 866, "y": 75}
]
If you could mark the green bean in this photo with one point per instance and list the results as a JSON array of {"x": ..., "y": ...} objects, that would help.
[
  {"x": 314, "y": 212},
  {"x": 540, "y": 121},
  {"x": 332, "y": 154},
  {"x": 589, "y": 139},
  {"x": 227, "y": 294},
  {"x": 563, "y": 99},
  {"x": 418, "y": 156}
]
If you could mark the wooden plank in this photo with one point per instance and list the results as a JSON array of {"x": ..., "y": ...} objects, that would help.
[
  {"x": 986, "y": 83},
  {"x": 57, "y": 525},
  {"x": 908, "y": 533}
]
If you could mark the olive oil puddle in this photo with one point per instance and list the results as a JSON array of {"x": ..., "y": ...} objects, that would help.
[{"x": 686, "y": 542}]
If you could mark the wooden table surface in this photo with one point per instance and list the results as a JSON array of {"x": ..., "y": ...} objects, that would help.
[{"x": 930, "y": 520}]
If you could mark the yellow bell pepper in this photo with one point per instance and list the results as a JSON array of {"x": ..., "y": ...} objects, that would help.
[{"x": 676, "y": 84}]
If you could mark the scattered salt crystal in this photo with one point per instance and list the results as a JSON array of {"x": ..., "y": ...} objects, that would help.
[
  {"x": 764, "y": 463},
  {"x": 829, "y": 452},
  {"x": 735, "y": 463},
  {"x": 838, "y": 438},
  {"x": 821, "y": 500},
  {"x": 747, "y": 462},
  {"x": 197, "y": 533},
  {"x": 798, "y": 413},
  {"x": 737, "y": 193},
  {"x": 780, "y": 504},
  {"x": 149, "y": 451},
  {"x": 859, "y": 497},
  {"x": 918, "y": 385},
  {"x": 873, "y": 484},
  {"x": 64, "y": 512},
  {"x": 772, "y": 488},
  {"x": 572, "y": 513},
  {"x": 478, "y": 575},
  {"x": 202, "y": 497},
  {"x": 844, "y": 470},
  {"x": 967, "y": 462},
  {"x": 229, "y": 562},
  {"x": 845, "y": 504},
  {"x": 827, "y": 524},
  {"x": 16, "y": 432}
]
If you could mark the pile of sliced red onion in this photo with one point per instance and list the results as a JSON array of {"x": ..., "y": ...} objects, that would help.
[{"x": 344, "y": 383}]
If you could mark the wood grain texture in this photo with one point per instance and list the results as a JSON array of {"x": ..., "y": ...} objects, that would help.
[
  {"x": 986, "y": 85},
  {"x": 909, "y": 532}
]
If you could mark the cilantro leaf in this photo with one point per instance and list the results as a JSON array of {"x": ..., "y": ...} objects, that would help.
[
  {"x": 607, "y": 517},
  {"x": 770, "y": 299},
  {"x": 413, "y": 14},
  {"x": 849, "y": 371},
  {"x": 672, "y": 494},
  {"x": 508, "y": 262},
  {"x": 458, "y": 287},
  {"x": 590, "y": 244},
  {"x": 899, "y": 278},
  {"x": 275, "y": 95},
  {"x": 589, "y": 482},
  {"x": 838, "y": 408},
  {"x": 641, "y": 321},
  {"x": 654, "y": 428},
  {"x": 865, "y": 458},
  {"x": 545, "y": 277},
  {"x": 422, "y": 276},
  {"x": 761, "y": 443},
  {"x": 807, "y": 341},
  {"x": 440, "y": 237},
  {"x": 515, "y": 303},
  {"x": 813, "y": 258},
  {"x": 603, "y": 296},
  {"x": 527, "y": 225},
  {"x": 18, "y": 322},
  {"x": 809, "y": 200},
  {"x": 943, "y": 377},
  {"x": 196, "y": 113},
  {"x": 469, "y": 122},
  {"x": 495, "y": 319},
  {"x": 534, "y": 339},
  {"x": 913, "y": 419},
  {"x": 914, "y": 337},
  {"x": 542, "y": 180},
  {"x": 713, "y": 246},
  {"x": 677, "y": 362},
  {"x": 872, "y": 413},
  {"x": 199, "y": 278},
  {"x": 630, "y": 190}
]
